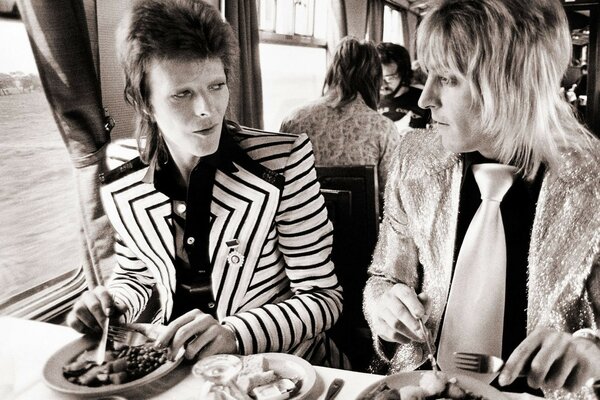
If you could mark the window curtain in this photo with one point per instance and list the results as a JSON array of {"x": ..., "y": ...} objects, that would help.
[
  {"x": 246, "y": 104},
  {"x": 375, "y": 21},
  {"x": 337, "y": 26},
  {"x": 59, "y": 38},
  {"x": 410, "y": 21}
]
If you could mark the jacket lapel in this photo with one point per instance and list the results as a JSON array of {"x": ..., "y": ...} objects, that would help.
[
  {"x": 437, "y": 214},
  {"x": 430, "y": 197},
  {"x": 243, "y": 208},
  {"x": 245, "y": 199}
]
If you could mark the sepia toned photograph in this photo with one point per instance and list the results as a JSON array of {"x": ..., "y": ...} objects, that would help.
[{"x": 300, "y": 199}]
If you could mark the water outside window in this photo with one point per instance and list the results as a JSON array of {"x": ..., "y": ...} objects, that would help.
[{"x": 39, "y": 225}]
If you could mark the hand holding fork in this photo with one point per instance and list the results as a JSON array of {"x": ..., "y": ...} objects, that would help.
[
  {"x": 92, "y": 309},
  {"x": 396, "y": 317}
]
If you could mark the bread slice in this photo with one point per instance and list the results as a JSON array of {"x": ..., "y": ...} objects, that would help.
[{"x": 255, "y": 372}]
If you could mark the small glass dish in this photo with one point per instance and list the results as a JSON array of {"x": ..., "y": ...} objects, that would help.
[{"x": 219, "y": 373}]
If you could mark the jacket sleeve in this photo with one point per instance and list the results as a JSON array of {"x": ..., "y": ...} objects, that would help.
[
  {"x": 395, "y": 260},
  {"x": 389, "y": 141},
  {"x": 305, "y": 237},
  {"x": 131, "y": 282}
]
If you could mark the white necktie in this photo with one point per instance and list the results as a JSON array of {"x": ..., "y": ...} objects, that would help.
[{"x": 475, "y": 311}]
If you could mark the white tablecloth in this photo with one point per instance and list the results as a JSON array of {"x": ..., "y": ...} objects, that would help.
[{"x": 26, "y": 345}]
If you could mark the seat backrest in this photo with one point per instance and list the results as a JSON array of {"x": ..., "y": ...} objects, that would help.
[
  {"x": 361, "y": 182},
  {"x": 339, "y": 207},
  {"x": 351, "y": 196}
]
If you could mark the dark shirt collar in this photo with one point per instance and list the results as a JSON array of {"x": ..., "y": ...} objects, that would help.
[
  {"x": 161, "y": 175},
  {"x": 477, "y": 158}
]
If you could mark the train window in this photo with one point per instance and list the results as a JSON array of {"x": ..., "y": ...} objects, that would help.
[
  {"x": 292, "y": 54},
  {"x": 267, "y": 9},
  {"x": 393, "y": 25},
  {"x": 292, "y": 17},
  {"x": 39, "y": 242},
  {"x": 292, "y": 76}
]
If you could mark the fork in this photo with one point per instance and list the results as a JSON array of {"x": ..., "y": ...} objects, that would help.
[
  {"x": 431, "y": 357},
  {"x": 127, "y": 336},
  {"x": 476, "y": 362}
]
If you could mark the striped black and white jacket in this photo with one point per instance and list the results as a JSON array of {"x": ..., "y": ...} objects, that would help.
[{"x": 286, "y": 294}]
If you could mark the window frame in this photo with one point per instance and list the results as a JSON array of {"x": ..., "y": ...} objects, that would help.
[
  {"x": 48, "y": 301},
  {"x": 291, "y": 40},
  {"x": 272, "y": 37}
]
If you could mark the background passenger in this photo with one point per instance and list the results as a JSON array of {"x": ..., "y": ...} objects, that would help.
[
  {"x": 532, "y": 295},
  {"x": 226, "y": 225},
  {"x": 343, "y": 124},
  {"x": 398, "y": 98}
]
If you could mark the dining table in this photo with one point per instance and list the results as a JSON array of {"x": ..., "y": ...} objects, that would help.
[{"x": 26, "y": 345}]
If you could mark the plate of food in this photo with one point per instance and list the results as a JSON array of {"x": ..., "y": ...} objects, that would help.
[
  {"x": 261, "y": 376},
  {"x": 430, "y": 385},
  {"x": 72, "y": 369},
  {"x": 266, "y": 373}
]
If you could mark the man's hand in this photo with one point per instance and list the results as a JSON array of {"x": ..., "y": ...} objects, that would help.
[
  {"x": 558, "y": 360},
  {"x": 398, "y": 311},
  {"x": 91, "y": 309},
  {"x": 200, "y": 334}
]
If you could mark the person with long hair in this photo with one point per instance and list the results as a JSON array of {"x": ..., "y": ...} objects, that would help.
[
  {"x": 223, "y": 240},
  {"x": 491, "y": 232},
  {"x": 343, "y": 124}
]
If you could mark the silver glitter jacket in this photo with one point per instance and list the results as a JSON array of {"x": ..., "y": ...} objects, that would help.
[{"x": 419, "y": 226}]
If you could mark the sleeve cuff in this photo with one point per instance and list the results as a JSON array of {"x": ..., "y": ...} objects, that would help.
[
  {"x": 235, "y": 335},
  {"x": 590, "y": 334}
]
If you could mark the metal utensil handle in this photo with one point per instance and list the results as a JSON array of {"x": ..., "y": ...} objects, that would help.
[
  {"x": 101, "y": 352},
  {"x": 334, "y": 388},
  {"x": 434, "y": 365}
]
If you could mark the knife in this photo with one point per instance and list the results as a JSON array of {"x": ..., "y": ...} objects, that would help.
[
  {"x": 334, "y": 388},
  {"x": 431, "y": 357},
  {"x": 101, "y": 352}
]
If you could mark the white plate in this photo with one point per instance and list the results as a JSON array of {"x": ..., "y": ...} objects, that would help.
[
  {"x": 473, "y": 385},
  {"x": 53, "y": 372},
  {"x": 291, "y": 366}
]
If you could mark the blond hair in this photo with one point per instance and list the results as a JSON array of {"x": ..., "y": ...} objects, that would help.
[{"x": 514, "y": 54}]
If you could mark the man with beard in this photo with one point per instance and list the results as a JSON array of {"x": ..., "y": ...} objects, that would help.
[{"x": 398, "y": 99}]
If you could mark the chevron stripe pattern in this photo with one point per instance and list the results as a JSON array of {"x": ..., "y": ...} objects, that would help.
[{"x": 286, "y": 295}]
